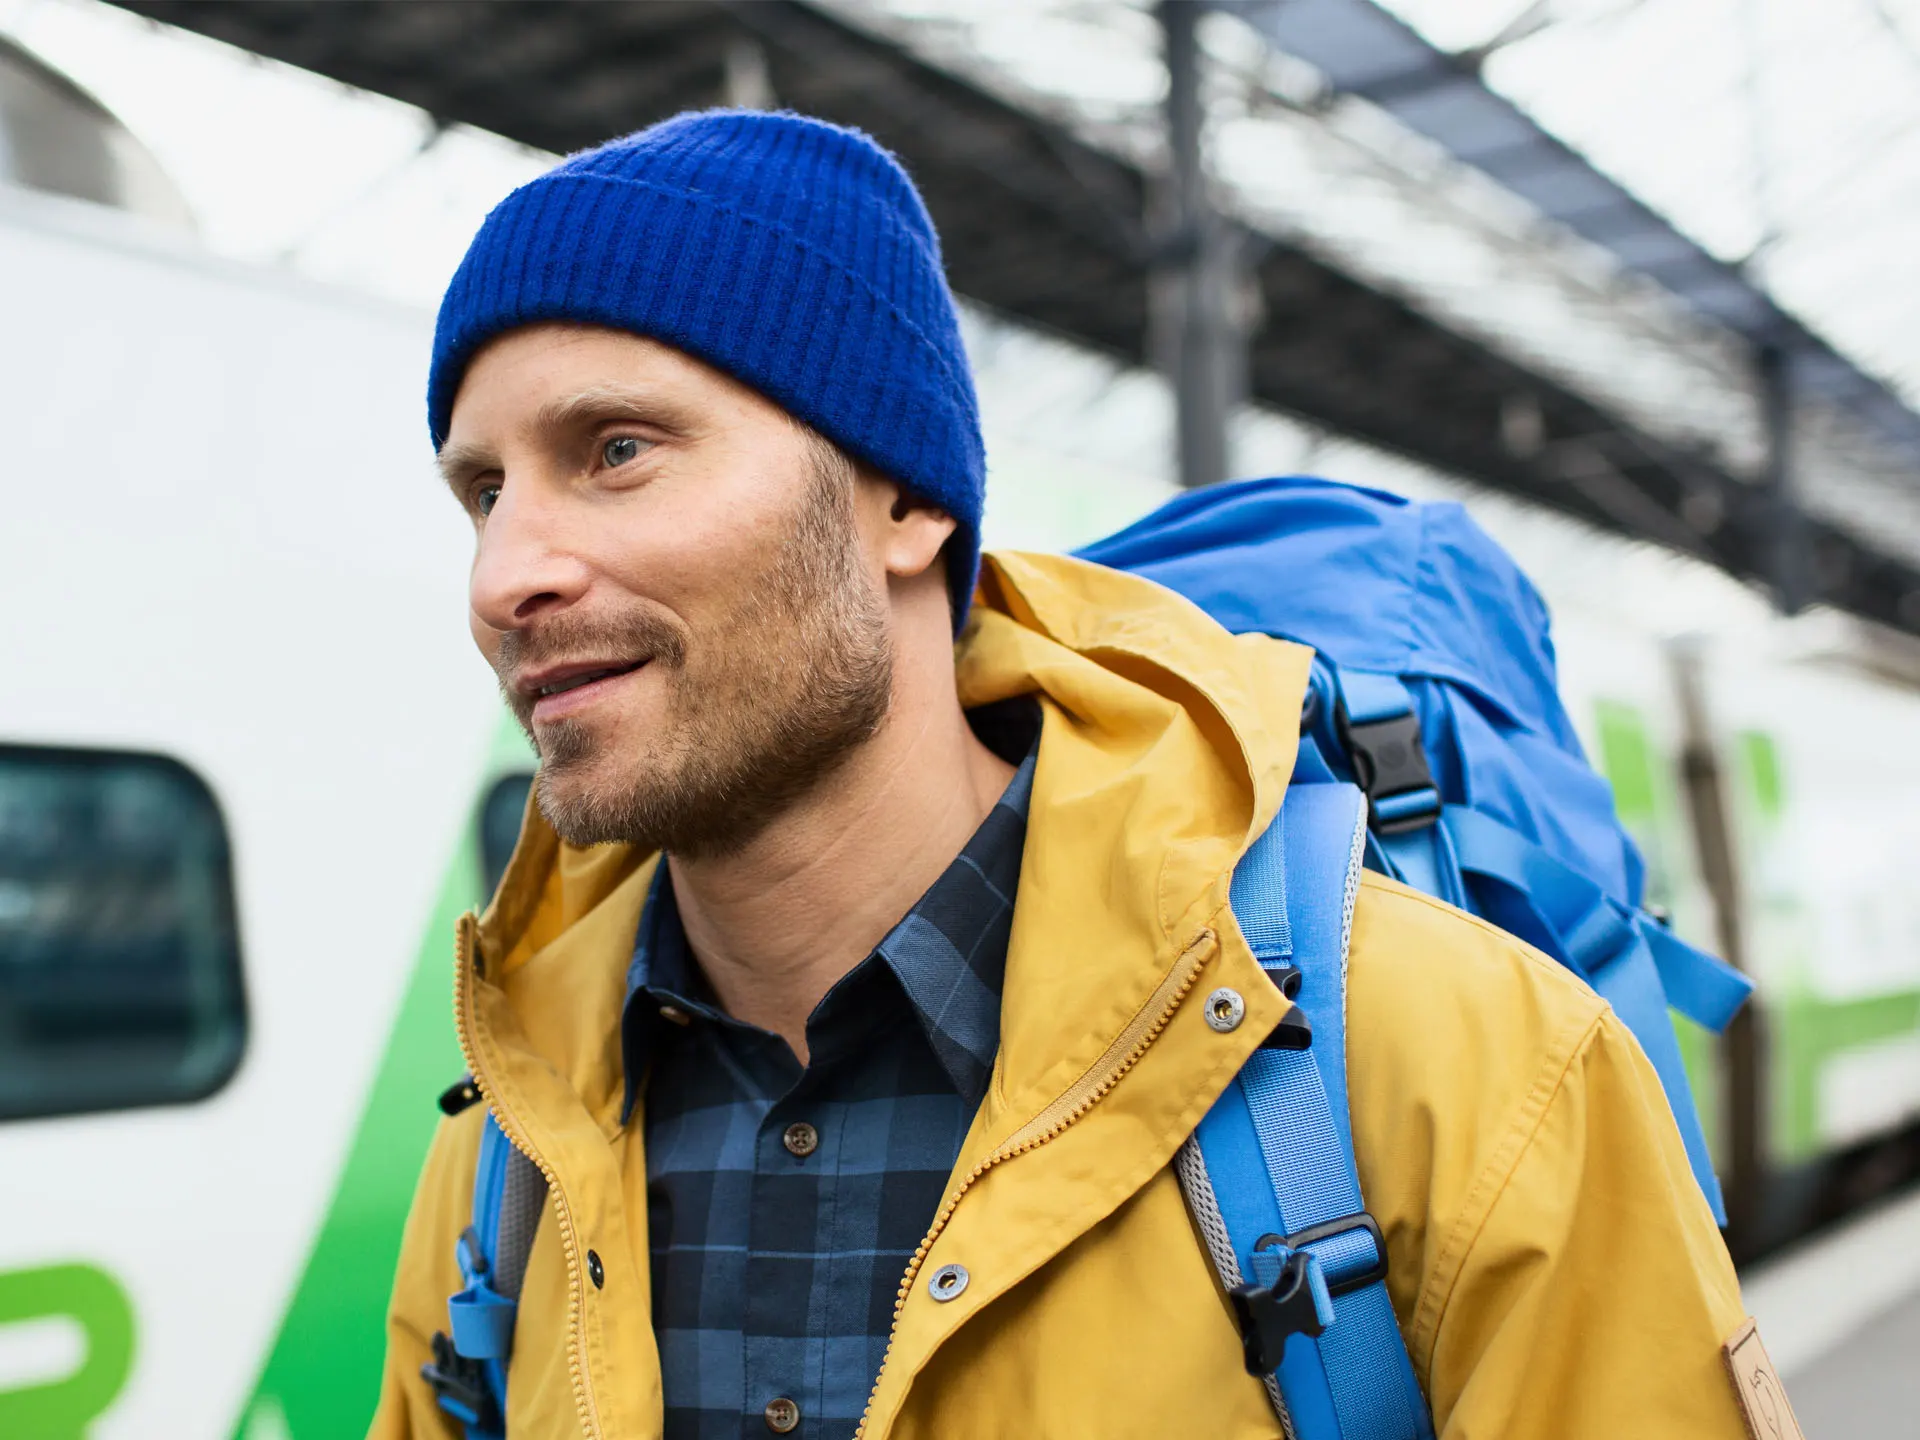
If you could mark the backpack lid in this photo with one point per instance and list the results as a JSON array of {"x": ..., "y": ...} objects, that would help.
[
  {"x": 1371, "y": 580},
  {"x": 1376, "y": 582}
]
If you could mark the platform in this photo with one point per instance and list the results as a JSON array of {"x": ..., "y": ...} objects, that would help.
[{"x": 1840, "y": 1315}]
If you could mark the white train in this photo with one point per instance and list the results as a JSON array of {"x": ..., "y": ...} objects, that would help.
[{"x": 246, "y": 760}]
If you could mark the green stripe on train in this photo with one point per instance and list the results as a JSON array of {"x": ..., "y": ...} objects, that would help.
[
  {"x": 1646, "y": 796},
  {"x": 322, "y": 1378},
  {"x": 323, "y": 1375},
  {"x": 1805, "y": 1031}
]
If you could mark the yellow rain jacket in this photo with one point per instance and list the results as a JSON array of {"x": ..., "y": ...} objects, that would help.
[{"x": 1555, "y": 1271}]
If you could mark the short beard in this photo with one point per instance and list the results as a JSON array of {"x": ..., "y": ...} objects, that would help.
[{"x": 776, "y": 698}]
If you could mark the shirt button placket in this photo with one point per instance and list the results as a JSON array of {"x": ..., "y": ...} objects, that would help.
[{"x": 778, "y": 1227}]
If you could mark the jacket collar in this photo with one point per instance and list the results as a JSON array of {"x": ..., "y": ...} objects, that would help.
[{"x": 1158, "y": 767}]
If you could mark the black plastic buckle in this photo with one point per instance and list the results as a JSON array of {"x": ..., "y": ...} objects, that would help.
[
  {"x": 1295, "y": 1031},
  {"x": 460, "y": 1386},
  {"x": 1389, "y": 759},
  {"x": 1269, "y": 1314}
]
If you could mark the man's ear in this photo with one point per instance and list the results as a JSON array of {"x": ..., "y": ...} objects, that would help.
[{"x": 914, "y": 531}]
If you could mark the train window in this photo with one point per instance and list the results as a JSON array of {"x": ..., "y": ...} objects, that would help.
[
  {"x": 119, "y": 952},
  {"x": 500, "y": 814}
]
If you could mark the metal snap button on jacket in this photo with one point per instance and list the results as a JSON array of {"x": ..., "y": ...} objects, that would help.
[
  {"x": 947, "y": 1282},
  {"x": 782, "y": 1415},
  {"x": 801, "y": 1138},
  {"x": 1225, "y": 1009}
]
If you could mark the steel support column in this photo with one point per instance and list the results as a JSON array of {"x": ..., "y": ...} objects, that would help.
[
  {"x": 1788, "y": 555},
  {"x": 1741, "y": 1151},
  {"x": 1204, "y": 343}
]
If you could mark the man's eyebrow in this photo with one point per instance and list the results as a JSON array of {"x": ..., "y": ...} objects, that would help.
[
  {"x": 456, "y": 461},
  {"x": 602, "y": 402}
]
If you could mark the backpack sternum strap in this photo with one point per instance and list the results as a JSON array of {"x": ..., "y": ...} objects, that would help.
[
  {"x": 1274, "y": 1307},
  {"x": 460, "y": 1387}
]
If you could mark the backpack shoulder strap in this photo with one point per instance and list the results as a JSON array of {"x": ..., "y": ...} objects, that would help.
[
  {"x": 1269, "y": 1173},
  {"x": 469, "y": 1370}
]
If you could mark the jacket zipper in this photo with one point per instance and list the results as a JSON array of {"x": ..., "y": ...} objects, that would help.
[
  {"x": 464, "y": 949},
  {"x": 1079, "y": 1098}
]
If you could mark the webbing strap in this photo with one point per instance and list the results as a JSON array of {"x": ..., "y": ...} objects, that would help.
[
  {"x": 1425, "y": 860},
  {"x": 1277, "y": 1149},
  {"x": 1701, "y": 987},
  {"x": 1627, "y": 958},
  {"x": 1594, "y": 928},
  {"x": 1372, "y": 695}
]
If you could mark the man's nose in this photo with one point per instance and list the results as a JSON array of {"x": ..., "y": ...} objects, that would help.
[{"x": 523, "y": 568}]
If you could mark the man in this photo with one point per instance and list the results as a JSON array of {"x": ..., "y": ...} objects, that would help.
[{"x": 842, "y": 985}]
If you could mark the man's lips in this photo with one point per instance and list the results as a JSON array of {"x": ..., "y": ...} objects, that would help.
[{"x": 560, "y": 690}]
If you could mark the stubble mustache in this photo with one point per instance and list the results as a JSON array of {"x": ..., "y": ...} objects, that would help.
[{"x": 636, "y": 636}]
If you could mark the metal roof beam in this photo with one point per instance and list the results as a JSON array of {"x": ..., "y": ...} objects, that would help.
[{"x": 1364, "y": 51}]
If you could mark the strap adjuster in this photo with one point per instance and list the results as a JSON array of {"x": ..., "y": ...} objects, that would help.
[
  {"x": 1346, "y": 1281},
  {"x": 1299, "y": 1298},
  {"x": 459, "y": 1384},
  {"x": 1390, "y": 764}
]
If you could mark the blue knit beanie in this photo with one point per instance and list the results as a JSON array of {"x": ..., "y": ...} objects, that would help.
[{"x": 793, "y": 254}]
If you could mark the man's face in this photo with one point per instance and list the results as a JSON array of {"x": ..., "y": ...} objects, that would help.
[{"x": 669, "y": 582}]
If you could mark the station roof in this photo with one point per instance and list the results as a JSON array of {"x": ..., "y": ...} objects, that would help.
[
  {"x": 1365, "y": 51},
  {"x": 1045, "y": 225}
]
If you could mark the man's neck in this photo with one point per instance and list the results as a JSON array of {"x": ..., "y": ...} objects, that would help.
[{"x": 776, "y": 925}]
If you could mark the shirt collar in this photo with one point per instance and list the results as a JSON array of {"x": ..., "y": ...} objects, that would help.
[{"x": 949, "y": 953}]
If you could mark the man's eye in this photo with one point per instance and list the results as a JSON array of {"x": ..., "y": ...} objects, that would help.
[
  {"x": 485, "y": 498},
  {"x": 619, "y": 450}
]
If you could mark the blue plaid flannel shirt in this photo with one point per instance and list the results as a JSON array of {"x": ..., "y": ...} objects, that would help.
[{"x": 777, "y": 1252}]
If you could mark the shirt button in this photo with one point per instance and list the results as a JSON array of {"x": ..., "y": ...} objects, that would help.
[
  {"x": 675, "y": 1014},
  {"x": 801, "y": 1139},
  {"x": 782, "y": 1415}
]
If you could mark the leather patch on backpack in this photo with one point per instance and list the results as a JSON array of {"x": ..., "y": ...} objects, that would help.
[{"x": 1763, "y": 1399}]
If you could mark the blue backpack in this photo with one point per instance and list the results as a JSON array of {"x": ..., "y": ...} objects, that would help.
[{"x": 1433, "y": 748}]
